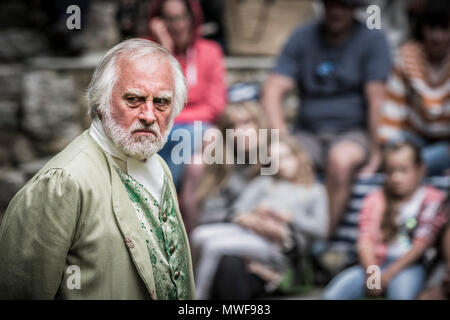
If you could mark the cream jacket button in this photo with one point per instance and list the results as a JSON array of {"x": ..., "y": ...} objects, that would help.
[{"x": 129, "y": 243}]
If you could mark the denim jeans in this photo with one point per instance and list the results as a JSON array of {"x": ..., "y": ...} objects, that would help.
[
  {"x": 179, "y": 132},
  {"x": 350, "y": 284}
]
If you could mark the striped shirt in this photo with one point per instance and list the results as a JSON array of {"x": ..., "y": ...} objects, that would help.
[{"x": 418, "y": 97}]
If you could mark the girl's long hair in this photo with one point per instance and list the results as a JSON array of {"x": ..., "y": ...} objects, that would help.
[
  {"x": 216, "y": 175},
  {"x": 389, "y": 227},
  {"x": 305, "y": 170}
]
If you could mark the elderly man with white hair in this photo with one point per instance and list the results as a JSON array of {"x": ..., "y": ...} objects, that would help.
[{"x": 101, "y": 219}]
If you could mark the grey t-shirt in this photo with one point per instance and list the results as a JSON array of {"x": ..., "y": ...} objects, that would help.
[{"x": 331, "y": 79}]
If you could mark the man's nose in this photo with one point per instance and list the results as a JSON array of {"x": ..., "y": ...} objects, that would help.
[{"x": 146, "y": 114}]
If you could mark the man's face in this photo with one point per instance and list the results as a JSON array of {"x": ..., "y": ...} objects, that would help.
[
  {"x": 139, "y": 118},
  {"x": 338, "y": 16}
]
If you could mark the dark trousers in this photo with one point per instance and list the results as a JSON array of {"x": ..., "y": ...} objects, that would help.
[{"x": 234, "y": 282}]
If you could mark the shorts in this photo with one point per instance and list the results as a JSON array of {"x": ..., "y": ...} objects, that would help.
[{"x": 318, "y": 144}]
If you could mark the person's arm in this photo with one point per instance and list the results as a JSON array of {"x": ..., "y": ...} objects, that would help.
[
  {"x": 446, "y": 245},
  {"x": 314, "y": 221},
  {"x": 282, "y": 79},
  {"x": 375, "y": 94},
  {"x": 417, "y": 250},
  {"x": 252, "y": 195},
  {"x": 36, "y": 235},
  {"x": 446, "y": 249},
  {"x": 368, "y": 229},
  {"x": 190, "y": 209},
  {"x": 275, "y": 89},
  {"x": 377, "y": 67},
  {"x": 431, "y": 221},
  {"x": 160, "y": 34}
]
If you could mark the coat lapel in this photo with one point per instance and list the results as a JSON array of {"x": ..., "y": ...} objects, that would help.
[{"x": 131, "y": 231}]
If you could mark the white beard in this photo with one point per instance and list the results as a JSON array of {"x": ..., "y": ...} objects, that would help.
[{"x": 140, "y": 147}]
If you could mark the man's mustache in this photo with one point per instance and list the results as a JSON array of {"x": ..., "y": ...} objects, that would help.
[{"x": 153, "y": 128}]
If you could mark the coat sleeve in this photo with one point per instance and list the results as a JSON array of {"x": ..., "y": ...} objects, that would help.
[{"x": 36, "y": 234}]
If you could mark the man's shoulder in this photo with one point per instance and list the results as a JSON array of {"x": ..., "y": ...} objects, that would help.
[
  {"x": 365, "y": 35},
  {"x": 305, "y": 32},
  {"x": 82, "y": 159}
]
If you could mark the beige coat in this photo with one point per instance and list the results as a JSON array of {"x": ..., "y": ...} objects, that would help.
[{"x": 76, "y": 212}]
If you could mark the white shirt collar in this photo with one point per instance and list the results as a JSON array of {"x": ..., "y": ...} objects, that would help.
[{"x": 148, "y": 172}]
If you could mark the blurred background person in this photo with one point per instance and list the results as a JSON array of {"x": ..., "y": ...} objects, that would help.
[
  {"x": 209, "y": 191},
  {"x": 175, "y": 24},
  {"x": 417, "y": 104},
  {"x": 438, "y": 284},
  {"x": 274, "y": 216},
  {"x": 339, "y": 67},
  {"x": 398, "y": 223}
]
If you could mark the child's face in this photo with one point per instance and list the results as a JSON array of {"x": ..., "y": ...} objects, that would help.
[
  {"x": 403, "y": 175},
  {"x": 288, "y": 162}
]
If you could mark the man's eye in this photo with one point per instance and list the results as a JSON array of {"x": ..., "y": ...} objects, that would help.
[
  {"x": 133, "y": 99},
  {"x": 161, "y": 101}
]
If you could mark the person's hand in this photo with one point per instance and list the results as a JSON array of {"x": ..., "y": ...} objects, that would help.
[
  {"x": 271, "y": 230},
  {"x": 158, "y": 29},
  {"x": 245, "y": 220},
  {"x": 280, "y": 216},
  {"x": 374, "y": 163},
  {"x": 386, "y": 277}
]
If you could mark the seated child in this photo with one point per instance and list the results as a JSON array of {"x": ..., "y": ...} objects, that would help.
[
  {"x": 397, "y": 224},
  {"x": 273, "y": 214}
]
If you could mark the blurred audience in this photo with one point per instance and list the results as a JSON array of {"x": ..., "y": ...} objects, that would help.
[
  {"x": 418, "y": 94},
  {"x": 339, "y": 67},
  {"x": 175, "y": 24},
  {"x": 273, "y": 216},
  {"x": 209, "y": 192},
  {"x": 65, "y": 41},
  {"x": 357, "y": 113},
  {"x": 438, "y": 284},
  {"x": 397, "y": 225}
]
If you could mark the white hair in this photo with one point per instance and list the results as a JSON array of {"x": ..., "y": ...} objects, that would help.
[{"x": 100, "y": 88}]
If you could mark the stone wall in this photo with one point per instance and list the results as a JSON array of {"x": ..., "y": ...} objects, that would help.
[
  {"x": 42, "y": 97},
  {"x": 42, "y": 104}
]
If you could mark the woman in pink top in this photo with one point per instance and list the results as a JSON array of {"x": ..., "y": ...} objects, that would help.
[
  {"x": 397, "y": 224},
  {"x": 175, "y": 24}
]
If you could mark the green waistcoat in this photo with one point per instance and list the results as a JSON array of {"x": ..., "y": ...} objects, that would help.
[{"x": 165, "y": 241}]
